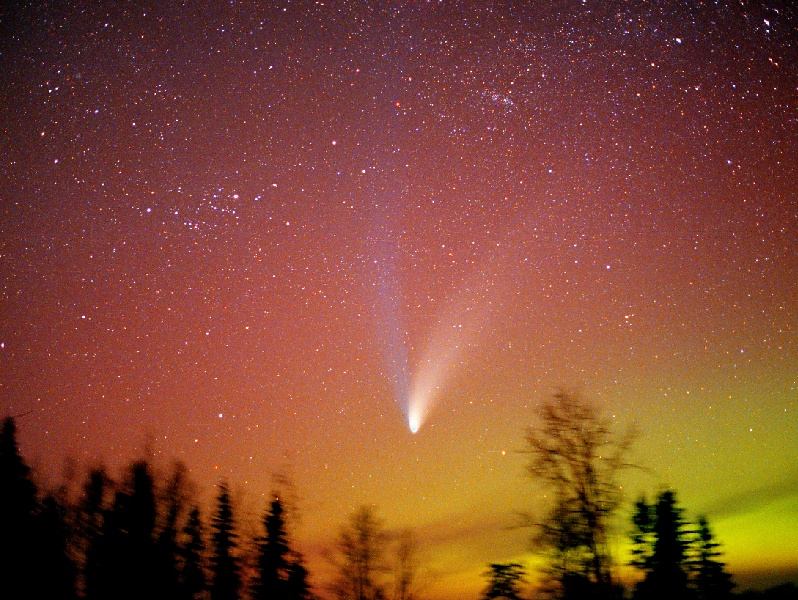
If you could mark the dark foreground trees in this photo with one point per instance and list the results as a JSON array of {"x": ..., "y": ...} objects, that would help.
[
  {"x": 574, "y": 455},
  {"x": 281, "y": 572},
  {"x": 143, "y": 535},
  {"x": 677, "y": 561},
  {"x": 191, "y": 576},
  {"x": 18, "y": 519},
  {"x": 173, "y": 502},
  {"x": 504, "y": 581},
  {"x": 130, "y": 538},
  {"x": 710, "y": 581},
  {"x": 273, "y": 556},
  {"x": 660, "y": 544},
  {"x": 126, "y": 535},
  {"x": 224, "y": 561},
  {"x": 138, "y": 537},
  {"x": 54, "y": 556}
]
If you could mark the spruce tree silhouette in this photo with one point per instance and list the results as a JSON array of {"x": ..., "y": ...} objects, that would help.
[
  {"x": 711, "y": 581},
  {"x": 642, "y": 535},
  {"x": 173, "y": 506},
  {"x": 53, "y": 552},
  {"x": 193, "y": 582},
  {"x": 504, "y": 581},
  {"x": 92, "y": 513},
  {"x": 224, "y": 565},
  {"x": 281, "y": 572},
  {"x": 139, "y": 519},
  {"x": 128, "y": 538},
  {"x": 273, "y": 553},
  {"x": 661, "y": 543},
  {"x": 298, "y": 587},
  {"x": 18, "y": 507}
]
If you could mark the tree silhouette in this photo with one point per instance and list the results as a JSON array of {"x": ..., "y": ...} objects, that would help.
[
  {"x": 192, "y": 576},
  {"x": 224, "y": 565},
  {"x": 574, "y": 454},
  {"x": 173, "y": 504},
  {"x": 273, "y": 553},
  {"x": 360, "y": 561},
  {"x": 711, "y": 581},
  {"x": 92, "y": 513},
  {"x": 661, "y": 543},
  {"x": 18, "y": 507},
  {"x": 642, "y": 534},
  {"x": 298, "y": 587},
  {"x": 140, "y": 518},
  {"x": 133, "y": 539},
  {"x": 53, "y": 552},
  {"x": 128, "y": 542},
  {"x": 504, "y": 581}
]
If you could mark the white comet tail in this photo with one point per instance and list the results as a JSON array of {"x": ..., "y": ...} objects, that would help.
[{"x": 458, "y": 328}]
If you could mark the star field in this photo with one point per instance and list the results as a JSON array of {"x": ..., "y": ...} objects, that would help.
[{"x": 214, "y": 214}]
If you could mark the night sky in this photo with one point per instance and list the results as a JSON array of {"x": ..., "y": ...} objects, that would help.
[{"x": 269, "y": 237}]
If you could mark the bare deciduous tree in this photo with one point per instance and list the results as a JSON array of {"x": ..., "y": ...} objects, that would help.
[
  {"x": 574, "y": 455},
  {"x": 406, "y": 567},
  {"x": 360, "y": 557}
]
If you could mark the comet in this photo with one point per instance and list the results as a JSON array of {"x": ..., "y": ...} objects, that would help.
[
  {"x": 413, "y": 420},
  {"x": 457, "y": 331},
  {"x": 419, "y": 383}
]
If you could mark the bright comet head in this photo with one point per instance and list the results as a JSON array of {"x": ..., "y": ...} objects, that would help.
[{"x": 414, "y": 420}]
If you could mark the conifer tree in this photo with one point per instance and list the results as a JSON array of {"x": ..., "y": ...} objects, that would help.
[
  {"x": 173, "y": 506},
  {"x": 661, "y": 544},
  {"x": 142, "y": 518},
  {"x": 281, "y": 571},
  {"x": 53, "y": 552},
  {"x": 298, "y": 587},
  {"x": 192, "y": 576},
  {"x": 273, "y": 552},
  {"x": 18, "y": 507},
  {"x": 92, "y": 513},
  {"x": 224, "y": 564},
  {"x": 711, "y": 581},
  {"x": 128, "y": 538},
  {"x": 504, "y": 582}
]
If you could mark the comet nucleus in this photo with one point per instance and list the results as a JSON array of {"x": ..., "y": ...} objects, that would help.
[{"x": 414, "y": 421}]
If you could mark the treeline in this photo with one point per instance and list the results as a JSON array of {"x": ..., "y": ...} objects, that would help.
[
  {"x": 145, "y": 537},
  {"x": 575, "y": 455},
  {"x": 677, "y": 559},
  {"x": 132, "y": 539}
]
